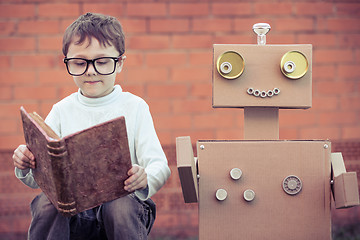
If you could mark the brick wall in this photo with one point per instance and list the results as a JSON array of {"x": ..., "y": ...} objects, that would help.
[{"x": 169, "y": 61}]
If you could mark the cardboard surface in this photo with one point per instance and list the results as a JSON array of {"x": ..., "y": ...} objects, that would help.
[
  {"x": 262, "y": 71},
  {"x": 261, "y": 123},
  {"x": 264, "y": 166},
  {"x": 187, "y": 169}
]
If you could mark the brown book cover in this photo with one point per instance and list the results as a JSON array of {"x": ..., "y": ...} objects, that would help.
[{"x": 82, "y": 170}]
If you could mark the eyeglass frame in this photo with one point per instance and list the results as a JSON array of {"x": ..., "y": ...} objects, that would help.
[{"x": 92, "y": 61}]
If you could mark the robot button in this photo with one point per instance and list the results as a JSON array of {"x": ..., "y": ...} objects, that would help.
[
  {"x": 235, "y": 173},
  {"x": 249, "y": 195},
  {"x": 221, "y": 194}
]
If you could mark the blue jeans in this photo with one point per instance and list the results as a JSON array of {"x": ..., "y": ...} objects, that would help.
[{"x": 124, "y": 218}]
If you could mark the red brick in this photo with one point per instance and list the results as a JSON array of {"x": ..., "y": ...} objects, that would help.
[
  {"x": 10, "y": 77},
  {"x": 112, "y": 9},
  {"x": 15, "y": 44},
  {"x": 348, "y": 71},
  {"x": 294, "y": 24},
  {"x": 246, "y": 38},
  {"x": 342, "y": 25},
  {"x": 320, "y": 132},
  {"x": 159, "y": 106},
  {"x": 192, "y": 41},
  {"x": 169, "y": 25},
  {"x": 133, "y": 25},
  {"x": 189, "y": 9},
  {"x": 231, "y": 9},
  {"x": 17, "y": 10},
  {"x": 149, "y": 42},
  {"x": 57, "y": 77},
  {"x": 350, "y": 132},
  {"x": 4, "y": 61},
  {"x": 141, "y": 75},
  {"x": 273, "y": 8},
  {"x": 202, "y": 90},
  {"x": 191, "y": 106},
  {"x": 349, "y": 39},
  {"x": 333, "y": 55},
  {"x": 229, "y": 134},
  {"x": 213, "y": 121},
  {"x": 325, "y": 103},
  {"x": 6, "y": 28},
  {"x": 34, "y": 61},
  {"x": 167, "y": 91},
  {"x": 288, "y": 133},
  {"x": 166, "y": 58},
  {"x": 348, "y": 9},
  {"x": 66, "y": 91},
  {"x": 182, "y": 121},
  {"x": 348, "y": 102},
  {"x": 6, "y": 93},
  {"x": 39, "y": 27},
  {"x": 35, "y": 93},
  {"x": 325, "y": 72},
  {"x": 52, "y": 43},
  {"x": 212, "y": 25},
  {"x": 314, "y": 8},
  {"x": 335, "y": 88},
  {"x": 334, "y": 118},
  {"x": 10, "y": 141},
  {"x": 133, "y": 59},
  {"x": 146, "y": 9},
  {"x": 190, "y": 74},
  {"x": 279, "y": 39},
  {"x": 8, "y": 126},
  {"x": 318, "y": 40},
  {"x": 297, "y": 118},
  {"x": 58, "y": 10},
  {"x": 201, "y": 58}
]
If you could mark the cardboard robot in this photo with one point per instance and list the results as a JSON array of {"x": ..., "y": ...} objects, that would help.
[{"x": 262, "y": 187}]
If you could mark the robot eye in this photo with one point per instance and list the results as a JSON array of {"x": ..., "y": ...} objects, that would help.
[
  {"x": 230, "y": 65},
  {"x": 294, "y": 65}
]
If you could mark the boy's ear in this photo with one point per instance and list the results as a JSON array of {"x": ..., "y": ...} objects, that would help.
[{"x": 120, "y": 64}]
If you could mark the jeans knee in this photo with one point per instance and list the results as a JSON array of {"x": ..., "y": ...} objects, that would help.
[{"x": 42, "y": 208}]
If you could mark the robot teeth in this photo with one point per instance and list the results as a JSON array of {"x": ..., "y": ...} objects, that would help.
[{"x": 263, "y": 94}]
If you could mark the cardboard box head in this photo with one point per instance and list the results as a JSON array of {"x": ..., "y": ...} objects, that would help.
[{"x": 262, "y": 76}]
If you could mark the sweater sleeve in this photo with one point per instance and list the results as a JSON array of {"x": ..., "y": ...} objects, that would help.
[{"x": 149, "y": 153}]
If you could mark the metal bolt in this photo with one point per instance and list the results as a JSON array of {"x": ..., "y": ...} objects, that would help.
[
  {"x": 202, "y": 147},
  {"x": 326, "y": 146}
]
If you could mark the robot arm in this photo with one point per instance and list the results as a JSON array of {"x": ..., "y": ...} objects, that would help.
[
  {"x": 345, "y": 186},
  {"x": 187, "y": 167}
]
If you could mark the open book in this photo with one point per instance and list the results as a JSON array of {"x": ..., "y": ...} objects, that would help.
[{"x": 82, "y": 170}]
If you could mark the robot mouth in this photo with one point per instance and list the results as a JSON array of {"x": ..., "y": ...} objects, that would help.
[{"x": 263, "y": 94}]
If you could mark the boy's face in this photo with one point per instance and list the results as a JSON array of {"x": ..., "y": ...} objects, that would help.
[{"x": 91, "y": 83}]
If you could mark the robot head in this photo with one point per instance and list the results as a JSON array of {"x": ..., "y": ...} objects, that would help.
[{"x": 247, "y": 75}]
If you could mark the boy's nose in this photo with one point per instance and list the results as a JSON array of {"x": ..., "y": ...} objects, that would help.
[{"x": 91, "y": 69}]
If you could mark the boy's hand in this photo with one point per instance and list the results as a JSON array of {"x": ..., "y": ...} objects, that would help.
[
  {"x": 137, "y": 179},
  {"x": 23, "y": 158}
]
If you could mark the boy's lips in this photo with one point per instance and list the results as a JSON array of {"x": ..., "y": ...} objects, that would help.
[{"x": 92, "y": 82}]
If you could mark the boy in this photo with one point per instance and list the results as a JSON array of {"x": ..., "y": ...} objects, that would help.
[{"x": 93, "y": 47}]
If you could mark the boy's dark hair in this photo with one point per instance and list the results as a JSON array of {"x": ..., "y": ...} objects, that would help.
[{"x": 106, "y": 29}]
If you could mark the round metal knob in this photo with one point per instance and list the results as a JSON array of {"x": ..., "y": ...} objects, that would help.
[
  {"x": 292, "y": 185},
  {"x": 221, "y": 194},
  {"x": 249, "y": 195},
  {"x": 235, "y": 173}
]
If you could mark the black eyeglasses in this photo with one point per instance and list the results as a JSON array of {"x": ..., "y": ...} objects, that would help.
[{"x": 102, "y": 65}]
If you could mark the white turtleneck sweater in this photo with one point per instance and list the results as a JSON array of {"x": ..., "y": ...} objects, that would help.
[{"x": 77, "y": 112}]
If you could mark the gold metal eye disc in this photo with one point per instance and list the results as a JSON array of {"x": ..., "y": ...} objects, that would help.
[
  {"x": 230, "y": 65},
  {"x": 294, "y": 64}
]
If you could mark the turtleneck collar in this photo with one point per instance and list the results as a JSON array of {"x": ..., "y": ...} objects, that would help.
[{"x": 95, "y": 102}]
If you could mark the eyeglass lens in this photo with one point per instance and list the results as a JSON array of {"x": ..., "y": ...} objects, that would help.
[{"x": 104, "y": 66}]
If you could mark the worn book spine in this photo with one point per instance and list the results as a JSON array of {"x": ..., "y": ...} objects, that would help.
[{"x": 62, "y": 178}]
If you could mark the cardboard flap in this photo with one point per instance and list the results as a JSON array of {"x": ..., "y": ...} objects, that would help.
[
  {"x": 346, "y": 191},
  {"x": 337, "y": 164},
  {"x": 186, "y": 164}
]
